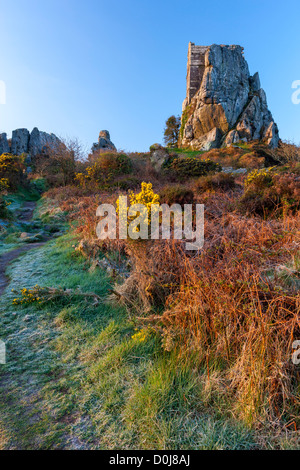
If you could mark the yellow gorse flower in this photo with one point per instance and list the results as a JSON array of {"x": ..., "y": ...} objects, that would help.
[
  {"x": 261, "y": 176},
  {"x": 141, "y": 335},
  {"x": 28, "y": 296},
  {"x": 4, "y": 184},
  {"x": 146, "y": 196}
]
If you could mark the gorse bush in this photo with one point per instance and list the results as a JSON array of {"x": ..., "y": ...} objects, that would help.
[
  {"x": 4, "y": 186},
  {"x": 103, "y": 171},
  {"x": 12, "y": 169},
  {"x": 44, "y": 295},
  {"x": 259, "y": 179},
  {"x": 147, "y": 197}
]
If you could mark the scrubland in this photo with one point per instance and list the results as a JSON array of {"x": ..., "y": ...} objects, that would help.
[{"x": 143, "y": 344}]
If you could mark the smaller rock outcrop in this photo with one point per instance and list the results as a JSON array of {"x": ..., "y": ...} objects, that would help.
[
  {"x": 104, "y": 142},
  {"x": 23, "y": 141}
]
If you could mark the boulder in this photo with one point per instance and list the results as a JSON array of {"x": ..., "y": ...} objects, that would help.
[
  {"x": 158, "y": 156},
  {"x": 24, "y": 235},
  {"x": 209, "y": 141},
  {"x": 32, "y": 237},
  {"x": 232, "y": 138}
]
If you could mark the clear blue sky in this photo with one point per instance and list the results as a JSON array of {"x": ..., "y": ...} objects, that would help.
[{"x": 75, "y": 67}]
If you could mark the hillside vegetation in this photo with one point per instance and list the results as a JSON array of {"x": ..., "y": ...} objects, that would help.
[{"x": 142, "y": 344}]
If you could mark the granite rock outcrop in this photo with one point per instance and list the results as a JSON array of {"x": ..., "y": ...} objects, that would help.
[{"x": 224, "y": 104}]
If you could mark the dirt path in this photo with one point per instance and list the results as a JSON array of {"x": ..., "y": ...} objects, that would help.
[
  {"x": 25, "y": 215},
  {"x": 7, "y": 258}
]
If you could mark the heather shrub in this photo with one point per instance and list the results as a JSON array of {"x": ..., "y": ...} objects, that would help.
[
  {"x": 116, "y": 163},
  {"x": 269, "y": 193},
  {"x": 58, "y": 163},
  {"x": 176, "y": 195},
  {"x": 182, "y": 167},
  {"x": 252, "y": 160},
  {"x": 251, "y": 155},
  {"x": 287, "y": 152},
  {"x": 228, "y": 156},
  {"x": 127, "y": 183},
  {"x": 223, "y": 181}
]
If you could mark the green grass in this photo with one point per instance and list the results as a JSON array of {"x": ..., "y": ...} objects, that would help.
[
  {"x": 76, "y": 378},
  {"x": 12, "y": 228},
  {"x": 244, "y": 146},
  {"x": 187, "y": 152},
  {"x": 46, "y": 222},
  {"x": 17, "y": 198}
]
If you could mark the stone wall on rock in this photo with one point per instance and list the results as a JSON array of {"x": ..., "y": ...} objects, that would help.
[
  {"x": 195, "y": 71},
  {"x": 224, "y": 104}
]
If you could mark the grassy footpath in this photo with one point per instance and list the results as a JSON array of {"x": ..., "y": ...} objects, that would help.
[{"x": 78, "y": 378}]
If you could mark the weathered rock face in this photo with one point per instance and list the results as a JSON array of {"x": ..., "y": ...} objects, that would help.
[
  {"x": 4, "y": 146},
  {"x": 20, "y": 141},
  {"x": 104, "y": 142},
  {"x": 39, "y": 141},
  {"x": 24, "y": 142},
  {"x": 224, "y": 104}
]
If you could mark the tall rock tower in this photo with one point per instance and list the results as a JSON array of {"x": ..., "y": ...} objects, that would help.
[{"x": 224, "y": 104}]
